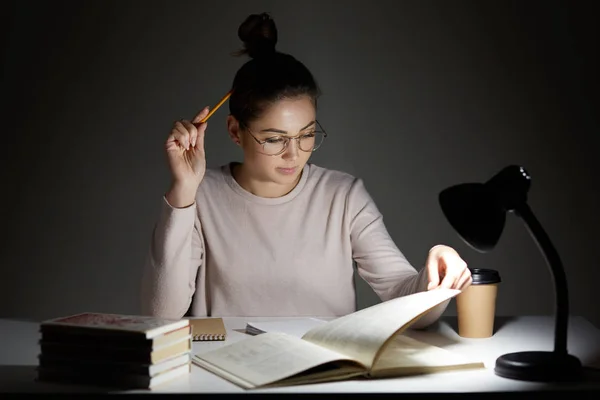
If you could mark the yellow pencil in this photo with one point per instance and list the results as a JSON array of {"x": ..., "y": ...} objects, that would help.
[{"x": 216, "y": 107}]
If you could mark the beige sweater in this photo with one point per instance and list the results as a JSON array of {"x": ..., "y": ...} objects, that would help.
[{"x": 232, "y": 253}]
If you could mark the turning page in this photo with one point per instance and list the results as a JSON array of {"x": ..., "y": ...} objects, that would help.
[
  {"x": 271, "y": 357},
  {"x": 404, "y": 355},
  {"x": 362, "y": 334}
]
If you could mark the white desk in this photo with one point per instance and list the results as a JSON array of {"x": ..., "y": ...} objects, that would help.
[{"x": 19, "y": 350}]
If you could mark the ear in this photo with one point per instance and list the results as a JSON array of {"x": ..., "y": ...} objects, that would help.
[{"x": 233, "y": 127}]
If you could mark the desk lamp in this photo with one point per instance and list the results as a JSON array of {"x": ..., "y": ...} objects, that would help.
[{"x": 477, "y": 211}]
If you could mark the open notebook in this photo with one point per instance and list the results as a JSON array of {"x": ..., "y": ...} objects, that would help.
[{"x": 208, "y": 329}]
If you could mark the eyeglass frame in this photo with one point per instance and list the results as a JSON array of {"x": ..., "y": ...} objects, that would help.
[{"x": 287, "y": 139}]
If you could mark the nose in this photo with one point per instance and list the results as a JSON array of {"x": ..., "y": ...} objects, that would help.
[{"x": 291, "y": 151}]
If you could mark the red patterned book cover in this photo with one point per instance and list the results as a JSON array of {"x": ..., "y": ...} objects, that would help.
[{"x": 147, "y": 325}]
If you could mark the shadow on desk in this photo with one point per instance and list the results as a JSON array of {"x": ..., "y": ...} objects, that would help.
[
  {"x": 22, "y": 379},
  {"x": 499, "y": 322},
  {"x": 438, "y": 334}
]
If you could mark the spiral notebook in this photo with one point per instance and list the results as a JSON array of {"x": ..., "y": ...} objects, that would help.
[{"x": 208, "y": 329}]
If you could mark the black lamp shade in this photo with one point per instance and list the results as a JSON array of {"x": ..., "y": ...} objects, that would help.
[{"x": 474, "y": 213}]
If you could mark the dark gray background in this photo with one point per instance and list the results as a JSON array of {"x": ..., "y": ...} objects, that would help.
[{"x": 418, "y": 95}]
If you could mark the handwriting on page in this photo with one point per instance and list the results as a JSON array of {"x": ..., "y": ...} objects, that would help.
[
  {"x": 360, "y": 335},
  {"x": 269, "y": 357}
]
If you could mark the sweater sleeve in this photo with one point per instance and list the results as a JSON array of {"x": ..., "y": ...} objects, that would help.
[
  {"x": 379, "y": 261},
  {"x": 173, "y": 262}
]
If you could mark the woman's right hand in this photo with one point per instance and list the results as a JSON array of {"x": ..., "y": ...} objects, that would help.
[
  {"x": 186, "y": 157},
  {"x": 185, "y": 151}
]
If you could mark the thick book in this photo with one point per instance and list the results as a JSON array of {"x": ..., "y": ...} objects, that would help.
[
  {"x": 368, "y": 343},
  {"x": 146, "y": 327},
  {"x": 116, "y": 380},
  {"x": 115, "y": 337},
  {"x": 104, "y": 337},
  {"x": 86, "y": 366},
  {"x": 102, "y": 352}
]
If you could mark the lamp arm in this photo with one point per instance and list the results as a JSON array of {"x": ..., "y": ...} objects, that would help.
[{"x": 558, "y": 275}]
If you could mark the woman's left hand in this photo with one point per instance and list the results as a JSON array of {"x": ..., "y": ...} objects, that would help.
[{"x": 446, "y": 269}]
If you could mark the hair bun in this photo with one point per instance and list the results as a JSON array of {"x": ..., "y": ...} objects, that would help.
[{"x": 259, "y": 34}]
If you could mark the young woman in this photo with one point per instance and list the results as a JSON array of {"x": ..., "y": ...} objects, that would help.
[{"x": 273, "y": 235}]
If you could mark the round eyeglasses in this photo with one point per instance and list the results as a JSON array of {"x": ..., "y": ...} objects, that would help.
[{"x": 308, "y": 141}]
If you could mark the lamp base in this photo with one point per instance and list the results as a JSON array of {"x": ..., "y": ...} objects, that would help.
[{"x": 540, "y": 366}]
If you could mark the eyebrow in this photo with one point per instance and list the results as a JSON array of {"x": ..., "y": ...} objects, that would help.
[{"x": 284, "y": 132}]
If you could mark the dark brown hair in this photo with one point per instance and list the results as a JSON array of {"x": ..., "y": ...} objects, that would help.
[{"x": 270, "y": 75}]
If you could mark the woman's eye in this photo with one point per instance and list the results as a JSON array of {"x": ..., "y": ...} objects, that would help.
[
  {"x": 274, "y": 140},
  {"x": 309, "y": 135}
]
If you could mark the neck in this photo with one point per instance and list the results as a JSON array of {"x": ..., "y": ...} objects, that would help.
[{"x": 259, "y": 187}]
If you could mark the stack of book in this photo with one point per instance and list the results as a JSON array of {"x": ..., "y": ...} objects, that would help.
[{"x": 120, "y": 351}]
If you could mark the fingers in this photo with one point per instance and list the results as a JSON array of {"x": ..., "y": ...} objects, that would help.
[
  {"x": 192, "y": 132},
  {"x": 455, "y": 268},
  {"x": 179, "y": 135},
  {"x": 432, "y": 272},
  {"x": 187, "y": 134},
  {"x": 196, "y": 134},
  {"x": 184, "y": 133},
  {"x": 450, "y": 279},
  {"x": 198, "y": 142},
  {"x": 200, "y": 128},
  {"x": 203, "y": 113},
  {"x": 465, "y": 280},
  {"x": 444, "y": 263}
]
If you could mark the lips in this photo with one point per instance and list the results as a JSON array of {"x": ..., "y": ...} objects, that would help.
[{"x": 287, "y": 170}]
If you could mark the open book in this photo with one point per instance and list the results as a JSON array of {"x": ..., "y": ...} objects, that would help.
[{"x": 367, "y": 343}]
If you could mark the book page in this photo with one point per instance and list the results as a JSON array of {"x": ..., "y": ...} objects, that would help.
[
  {"x": 405, "y": 355},
  {"x": 362, "y": 334},
  {"x": 270, "y": 357}
]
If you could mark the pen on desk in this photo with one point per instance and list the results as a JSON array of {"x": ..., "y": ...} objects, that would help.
[{"x": 215, "y": 108}]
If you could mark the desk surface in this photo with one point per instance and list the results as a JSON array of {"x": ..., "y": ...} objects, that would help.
[{"x": 19, "y": 350}]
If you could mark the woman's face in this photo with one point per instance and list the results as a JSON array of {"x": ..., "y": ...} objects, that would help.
[{"x": 285, "y": 118}]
